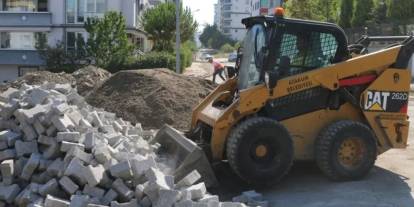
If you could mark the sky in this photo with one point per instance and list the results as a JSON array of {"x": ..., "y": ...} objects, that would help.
[{"x": 205, "y": 15}]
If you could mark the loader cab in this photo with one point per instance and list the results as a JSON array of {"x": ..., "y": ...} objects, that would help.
[{"x": 284, "y": 47}]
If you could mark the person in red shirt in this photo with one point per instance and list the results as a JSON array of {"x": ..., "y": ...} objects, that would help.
[{"x": 218, "y": 69}]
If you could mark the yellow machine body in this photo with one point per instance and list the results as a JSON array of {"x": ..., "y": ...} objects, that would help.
[{"x": 390, "y": 128}]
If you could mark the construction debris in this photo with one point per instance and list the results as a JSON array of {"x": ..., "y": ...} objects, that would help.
[{"x": 56, "y": 150}]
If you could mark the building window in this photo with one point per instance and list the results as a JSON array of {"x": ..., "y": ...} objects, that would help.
[
  {"x": 73, "y": 39},
  {"x": 83, "y": 9},
  {"x": 23, "y": 70},
  {"x": 226, "y": 7},
  {"x": 20, "y": 5},
  {"x": 19, "y": 40},
  {"x": 70, "y": 11},
  {"x": 226, "y": 15}
]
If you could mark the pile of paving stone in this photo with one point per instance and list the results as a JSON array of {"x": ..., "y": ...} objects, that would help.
[{"x": 56, "y": 150}]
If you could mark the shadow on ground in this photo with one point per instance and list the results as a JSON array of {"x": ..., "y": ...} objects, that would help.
[{"x": 306, "y": 186}]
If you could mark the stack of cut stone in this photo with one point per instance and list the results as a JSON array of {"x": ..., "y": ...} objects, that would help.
[{"x": 56, "y": 150}]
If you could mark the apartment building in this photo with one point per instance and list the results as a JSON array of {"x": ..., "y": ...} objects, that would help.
[
  {"x": 21, "y": 21},
  {"x": 217, "y": 15},
  {"x": 264, "y": 7},
  {"x": 231, "y": 13}
]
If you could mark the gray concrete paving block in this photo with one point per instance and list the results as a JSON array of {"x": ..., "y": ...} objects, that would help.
[
  {"x": 121, "y": 170},
  {"x": 66, "y": 146},
  {"x": 109, "y": 196},
  {"x": 79, "y": 201},
  {"x": 189, "y": 180},
  {"x": 55, "y": 202},
  {"x": 197, "y": 191},
  {"x": 10, "y": 136},
  {"x": 93, "y": 191},
  {"x": 68, "y": 137},
  {"x": 75, "y": 169},
  {"x": 132, "y": 203},
  {"x": 94, "y": 175},
  {"x": 80, "y": 154},
  {"x": 9, "y": 192},
  {"x": 124, "y": 192},
  {"x": 231, "y": 204},
  {"x": 49, "y": 187},
  {"x": 28, "y": 131},
  {"x": 37, "y": 96},
  {"x": 25, "y": 148},
  {"x": 30, "y": 167},
  {"x": 9, "y": 94},
  {"x": 39, "y": 128},
  {"x": 62, "y": 123},
  {"x": 7, "y": 154},
  {"x": 140, "y": 165},
  {"x": 68, "y": 185},
  {"x": 7, "y": 171},
  {"x": 167, "y": 198}
]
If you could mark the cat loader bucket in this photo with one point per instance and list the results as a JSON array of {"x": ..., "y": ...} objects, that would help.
[{"x": 183, "y": 155}]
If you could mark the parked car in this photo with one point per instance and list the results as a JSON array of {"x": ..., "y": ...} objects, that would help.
[
  {"x": 205, "y": 57},
  {"x": 232, "y": 57}
]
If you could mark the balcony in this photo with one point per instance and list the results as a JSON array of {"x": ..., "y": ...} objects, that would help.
[
  {"x": 25, "y": 19},
  {"x": 20, "y": 57}
]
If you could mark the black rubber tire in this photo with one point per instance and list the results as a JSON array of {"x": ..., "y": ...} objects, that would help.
[
  {"x": 329, "y": 141},
  {"x": 247, "y": 136}
]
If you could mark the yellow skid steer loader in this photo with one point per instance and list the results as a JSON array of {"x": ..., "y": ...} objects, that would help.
[{"x": 301, "y": 93}]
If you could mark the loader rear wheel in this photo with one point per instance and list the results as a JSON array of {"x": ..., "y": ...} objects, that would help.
[
  {"x": 260, "y": 151},
  {"x": 346, "y": 150}
]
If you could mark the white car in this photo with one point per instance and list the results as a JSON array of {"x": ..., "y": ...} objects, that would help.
[{"x": 205, "y": 57}]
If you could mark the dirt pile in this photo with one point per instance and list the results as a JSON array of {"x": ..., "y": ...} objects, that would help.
[
  {"x": 89, "y": 78},
  {"x": 151, "y": 97}
]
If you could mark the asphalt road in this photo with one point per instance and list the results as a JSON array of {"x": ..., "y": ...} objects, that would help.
[{"x": 389, "y": 184}]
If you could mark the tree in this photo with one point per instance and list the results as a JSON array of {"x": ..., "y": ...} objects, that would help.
[
  {"x": 108, "y": 45},
  {"x": 363, "y": 12},
  {"x": 401, "y": 11},
  {"x": 56, "y": 58},
  {"x": 326, "y": 10},
  {"x": 380, "y": 11},
  {"x": 302, "y": 9},
  {"x": 345, "y": 13},
  {"x": 160, "y": 21},
  {"x": 227, "y": 48},
  {"x": 213, "y": 38}
]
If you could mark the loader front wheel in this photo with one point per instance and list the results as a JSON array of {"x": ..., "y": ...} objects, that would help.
[
  {"x": 260, "y": 151},
  {"x": 346, "y": 150}
]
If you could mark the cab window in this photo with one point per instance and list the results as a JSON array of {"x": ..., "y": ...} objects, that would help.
[{"x": 307, "y": 50}]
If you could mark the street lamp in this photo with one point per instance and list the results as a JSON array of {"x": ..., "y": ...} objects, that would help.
[{"x": 177, "y": 36}]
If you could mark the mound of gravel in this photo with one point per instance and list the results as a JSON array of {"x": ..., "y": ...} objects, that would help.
[
  {"x": 89, "y": 78},
  {"x": 151, "y": 97}
]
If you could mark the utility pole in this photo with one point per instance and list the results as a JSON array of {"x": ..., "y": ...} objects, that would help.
[{"x": 177, "y": 36}]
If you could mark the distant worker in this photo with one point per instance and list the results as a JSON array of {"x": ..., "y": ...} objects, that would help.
[{"x": 218, "y": 69}]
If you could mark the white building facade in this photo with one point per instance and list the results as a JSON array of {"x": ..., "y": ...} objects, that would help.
[
  {"x": 22, "y": 21},
  {"x": 231, "y": 13},
  {"x": 264, "y": 7}
]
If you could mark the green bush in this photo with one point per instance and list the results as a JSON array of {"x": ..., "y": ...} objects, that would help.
[
  {"x": 162, "y": 59},
  {"x": 227, "y": 48},
  {"x": 151, "y": 60}
]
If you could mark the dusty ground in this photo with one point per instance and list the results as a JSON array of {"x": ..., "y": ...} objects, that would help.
[{"x": 205, "y": 70}]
